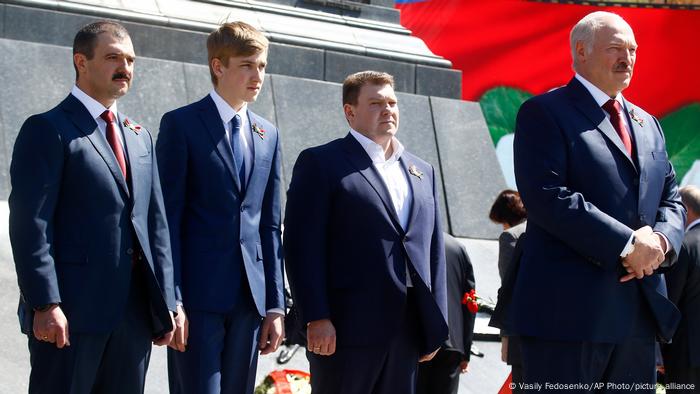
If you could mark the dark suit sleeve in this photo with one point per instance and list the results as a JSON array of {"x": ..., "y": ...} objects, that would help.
[
  {"x": 506, "y": 246},
  {"x": 171, "y": 153},
  {"x": 469, "y": 318},
  {"x": 677, "y": 276},
  {"x": 670, "y": 217},
  {"x": 540, "y": 158},
  {"x": 305, "y": 237},
  {"x": 160, "y": 237},
  {"x": 35, "y": 173},
  {"x": 270, "y": 235},
  {"x": 437, "y": 255}
]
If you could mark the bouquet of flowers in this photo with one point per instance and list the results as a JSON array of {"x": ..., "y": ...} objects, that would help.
[{"x": 286, "y": 381}]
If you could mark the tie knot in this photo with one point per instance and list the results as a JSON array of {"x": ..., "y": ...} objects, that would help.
[
  {"x": 236, "y": 122},
  {"x": 612, "y": 107},
  {"x": 107, "y": 116}
]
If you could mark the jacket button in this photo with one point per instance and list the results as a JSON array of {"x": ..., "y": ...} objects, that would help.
[
  {"x": 243, "y": 207},
  {"x": 130, "y": 251}
]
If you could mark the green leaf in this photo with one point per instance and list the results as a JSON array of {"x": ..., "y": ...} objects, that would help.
[
  {"x": 500, "y": 106},
  {"x": 682, "y": 131}
]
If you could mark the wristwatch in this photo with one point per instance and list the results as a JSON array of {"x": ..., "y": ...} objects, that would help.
[{"x": 45, "y": 308}]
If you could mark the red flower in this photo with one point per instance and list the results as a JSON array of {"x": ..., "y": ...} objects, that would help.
[{"x": 470, "y": 300}]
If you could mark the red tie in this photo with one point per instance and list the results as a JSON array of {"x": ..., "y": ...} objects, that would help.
[
  {"x": 613, "y": 108},
  {"x": 113, "y": 140}
]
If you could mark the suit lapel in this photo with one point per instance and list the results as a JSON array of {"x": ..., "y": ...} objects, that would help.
[
  {"x": 80, "y": 116},
  {"x": 130, "y": 143},
  {"x": 417, "y": 188},
  {"x": 362, "y": 162},
  {"x": 212, "y": 120},
  {"x": 588, "y": 106},
  {"x": 261, "y": 149}
]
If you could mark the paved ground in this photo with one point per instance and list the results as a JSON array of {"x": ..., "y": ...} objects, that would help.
[{"x": 485, "y": 376}]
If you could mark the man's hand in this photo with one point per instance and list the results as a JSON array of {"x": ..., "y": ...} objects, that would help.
[
  {"x": 167, "y": 337},
  {"x": 428, "y": 356},
  {"x": 182, "y": 330},
  {"x": 52, "y": 326},
  {"x": 504, "y": 349},
  {"x": 464, "y": 366},
  {"x": 271, "y": 333},
  {"x": 646, "y": 257},
  {"x": 320, "y": 335}
]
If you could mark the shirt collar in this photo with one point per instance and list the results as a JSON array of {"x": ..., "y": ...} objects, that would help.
[
  {"x": 226, "y": 112},
  {"x": 693, "y": 224},
  {"x": 93, "y": 106},
  {"x": 375, "y": 151},
  {"x": 599, "y": 96}
]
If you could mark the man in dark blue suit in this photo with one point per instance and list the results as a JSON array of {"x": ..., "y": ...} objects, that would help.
[
  {"x": 603, "y": 214},
  {"x": 88, "y": 231},
  {"x": 220, "y": 166},
  {"x": 682, "y": 356},
  {"x": 364, "y": 250}
]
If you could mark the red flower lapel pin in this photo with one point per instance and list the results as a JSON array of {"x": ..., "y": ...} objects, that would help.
[
  {"x": 636, "y": 118},
  {"x": 259, "y": 131},
  {"x": 133, "y": 126}
]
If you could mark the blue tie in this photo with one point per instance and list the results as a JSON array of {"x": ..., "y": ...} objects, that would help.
[{"x": 238, "y": 156}]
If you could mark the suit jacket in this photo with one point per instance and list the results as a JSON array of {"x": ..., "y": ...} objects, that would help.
[
  {"x": 584, "y": 196},
  {"x": 347, "y": 254},
  {"x": 460, "y": 280},
  {"x": 506, "y": 247},
  {"x": 223, "y": 239},
  {"x": 75, "y": 222},
  {"x": 684, "y": 290}
]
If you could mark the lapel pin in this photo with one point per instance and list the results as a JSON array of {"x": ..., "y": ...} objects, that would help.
[
  {"x": 413, "y": 170},
  {"x": 133, "y": 126},
  {"x": 259, "y": 131},
  {"x": 636, "y": 118}
]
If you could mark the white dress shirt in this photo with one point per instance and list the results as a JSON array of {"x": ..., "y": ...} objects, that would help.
[
  {"x": 226, "y": 112},
  {"x": 601, "y": 98},
  {"x": 393, "y": 176},
  {"x": 96, "y": 109}
]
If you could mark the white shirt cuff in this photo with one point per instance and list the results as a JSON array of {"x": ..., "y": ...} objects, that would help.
[
  {"x": 278, "y": 311},
  {"x": 628, "y": 247},
  {"x": 668, "y": 244}
]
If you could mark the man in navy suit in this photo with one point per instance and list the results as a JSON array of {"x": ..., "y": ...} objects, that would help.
[
  {"x": 88, "y": 231},
  {"x": 682, "y": 356},
  {"x": 364, "y": 250},
  {"x": 603, "y": 215},
  {"x": 220, "y": 166}
]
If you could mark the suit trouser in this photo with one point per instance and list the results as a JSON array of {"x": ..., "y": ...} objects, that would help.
[
  {"x": 682, "y": 380},
  {"x": 111, "y": 363},
  {"x": 222, "y": 351},
  {"x": 388, "y": 369},
  {"x": 441, "y": 374},
  {"x": 592, "y": 367}
]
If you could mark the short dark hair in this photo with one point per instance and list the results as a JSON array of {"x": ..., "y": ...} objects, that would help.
[
  {"x": 354, "y": 82},
  {"x": 85, "y": 40},
  {"x": 690, "y": 195},
  {"x": 508, "y": 208},
  {"x": 234, "y": 39}
]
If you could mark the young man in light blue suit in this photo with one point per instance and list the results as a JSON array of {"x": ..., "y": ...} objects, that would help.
[
  {"x": 88, "y": 231},
  {"x": 220, "y": 166}
]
